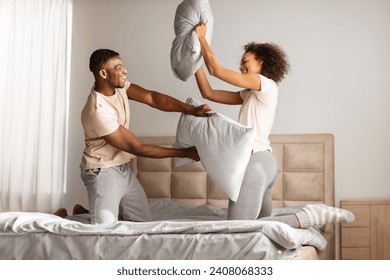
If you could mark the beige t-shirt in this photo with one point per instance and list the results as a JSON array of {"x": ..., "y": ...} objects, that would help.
[
  {"x": 101, "y": 116},
  {"x": 258, "y": 111}
]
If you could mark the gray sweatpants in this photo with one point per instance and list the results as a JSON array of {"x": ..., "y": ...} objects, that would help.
[
  {"x": 255, "y": 198},
  {"x": 114, "y": 192}
]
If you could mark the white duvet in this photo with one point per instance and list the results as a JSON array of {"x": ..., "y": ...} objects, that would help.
[{"x": 177, "y": 233}]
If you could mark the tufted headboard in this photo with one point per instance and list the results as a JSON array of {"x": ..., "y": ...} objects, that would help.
[{"x": 306, "y": 173}]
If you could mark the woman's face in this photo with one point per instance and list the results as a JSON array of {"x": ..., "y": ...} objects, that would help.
[{"x": 249, "y": 64}]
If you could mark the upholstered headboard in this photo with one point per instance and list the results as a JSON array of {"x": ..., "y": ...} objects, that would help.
[{"x": 306, "y": 173}]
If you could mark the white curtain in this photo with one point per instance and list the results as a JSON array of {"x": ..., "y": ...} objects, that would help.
[{"x": 35, "y": 43}]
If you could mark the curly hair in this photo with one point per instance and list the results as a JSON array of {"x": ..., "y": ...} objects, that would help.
[
  {"x": 275, "y": 62},
  {"x": 99, "y": 58}
]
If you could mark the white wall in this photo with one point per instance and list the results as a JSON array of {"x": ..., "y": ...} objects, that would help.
[{"x": 338, "y": 52}]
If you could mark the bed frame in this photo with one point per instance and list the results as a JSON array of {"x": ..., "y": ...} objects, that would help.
[{"x": 306, "y": 175}]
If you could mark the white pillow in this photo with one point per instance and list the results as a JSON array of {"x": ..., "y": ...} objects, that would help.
[
  {"x": 224, "y": 147},
  {"x": 186, "y": 56}
]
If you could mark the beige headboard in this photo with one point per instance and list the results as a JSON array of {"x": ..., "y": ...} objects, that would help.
[{"x": 306, "y": 173}]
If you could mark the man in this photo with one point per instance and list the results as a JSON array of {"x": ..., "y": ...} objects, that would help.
[{"x": 109, "y": 144}]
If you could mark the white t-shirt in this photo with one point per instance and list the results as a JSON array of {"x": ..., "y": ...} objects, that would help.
[
  {"x": 258, "y": 111},
  {"x": 102, "y": 115}
]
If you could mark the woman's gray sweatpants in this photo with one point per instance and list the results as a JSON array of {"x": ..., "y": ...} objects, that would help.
[
  {"x": 115, "y": 191},
  {"x": 255, "y": 198}
]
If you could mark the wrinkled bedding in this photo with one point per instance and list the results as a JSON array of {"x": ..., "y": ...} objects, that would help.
[{"x": 177, "y": 232}]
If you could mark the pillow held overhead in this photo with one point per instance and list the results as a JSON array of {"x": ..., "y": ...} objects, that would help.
[
  {"x": 186, "y": 56},
  {"x": 224, "y": 147}
]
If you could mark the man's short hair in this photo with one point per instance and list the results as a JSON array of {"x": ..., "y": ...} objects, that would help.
[{"x": 99, "y": 58}]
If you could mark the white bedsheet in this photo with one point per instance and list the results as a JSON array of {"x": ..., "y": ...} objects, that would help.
[{"x": 177, "y": 233}]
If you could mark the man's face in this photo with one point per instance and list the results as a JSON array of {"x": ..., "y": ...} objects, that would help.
[{"x": 116, "y": 72}]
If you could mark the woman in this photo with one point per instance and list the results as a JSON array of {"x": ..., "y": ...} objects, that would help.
[{"x": 263, "y": 66}]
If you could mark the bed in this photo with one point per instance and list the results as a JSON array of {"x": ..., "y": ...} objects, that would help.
[{"x": 189, "y": 211}]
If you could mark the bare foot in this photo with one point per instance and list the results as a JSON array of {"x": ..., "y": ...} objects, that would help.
[
  {"x": 79, "y": 209},
  {"x": 61, "y": 213}
]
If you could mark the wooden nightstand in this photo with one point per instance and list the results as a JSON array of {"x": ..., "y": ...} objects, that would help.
[{"x": 368, "y": 237}]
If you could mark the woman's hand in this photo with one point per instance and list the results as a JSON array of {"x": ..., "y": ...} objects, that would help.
[{"x": 201, "y": 30}]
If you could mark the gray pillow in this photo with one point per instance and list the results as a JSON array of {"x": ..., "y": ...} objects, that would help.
[
  {"x": 224, "y": 147},
  {"x": 186, "y": 57}
]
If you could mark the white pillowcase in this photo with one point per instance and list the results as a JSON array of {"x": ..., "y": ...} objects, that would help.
[
  {"x": 186, "y": 56},
  {"x": 224, "y": 147}
]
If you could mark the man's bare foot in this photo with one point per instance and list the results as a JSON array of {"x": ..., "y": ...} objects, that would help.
[
  {"x": 61, "y": 213},
  {"x": 79, "y": 209}
]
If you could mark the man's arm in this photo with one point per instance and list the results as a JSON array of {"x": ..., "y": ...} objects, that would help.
[
  {"x": 164, "y": 102},
  {"x": 124, "y": 140}
]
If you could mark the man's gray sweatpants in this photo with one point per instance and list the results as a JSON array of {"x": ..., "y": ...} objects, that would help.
[{"x": 114, "y": 192}]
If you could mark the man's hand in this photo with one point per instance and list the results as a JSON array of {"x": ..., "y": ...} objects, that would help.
[
  {"x": 201, "y": 111},
  {"x": 193, "y": 153}
]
